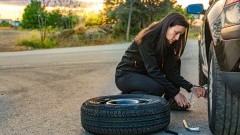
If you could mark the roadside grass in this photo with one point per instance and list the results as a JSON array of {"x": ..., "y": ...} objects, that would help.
[
  {"x": 19, "y": 40},
  {"x": 75, "y": 40},
  {"x": 33, "y": 41},
  {"x": 6, "y": 28},
  {"x": 194, "y": 32},
  {"x": 9, "y": 39},
  {"x": 66, "y": 38}
]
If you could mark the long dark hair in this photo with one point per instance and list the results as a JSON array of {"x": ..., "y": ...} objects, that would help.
[{"x": 159, "y": 30}]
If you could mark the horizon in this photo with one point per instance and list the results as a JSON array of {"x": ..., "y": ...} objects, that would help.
[{"x": 13, "y": 9}]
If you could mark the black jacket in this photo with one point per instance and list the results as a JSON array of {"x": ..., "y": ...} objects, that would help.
[{"x": 144, "y": 59}]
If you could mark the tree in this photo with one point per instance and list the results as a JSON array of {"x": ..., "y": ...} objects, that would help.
[
  {"x": 54, "y": 19},
  {"x": 68, "y": 21},
  {"x": 129, "y": 19},
  {"x": 120, "y": 15},
  {"x": 142, "y": 13},
  {"x": 109, "y": 6},
  {"x": 35, "y": 15},
  {"x": 31, "y": 15}
]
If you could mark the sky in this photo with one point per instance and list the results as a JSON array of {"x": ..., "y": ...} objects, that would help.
[
  {"x": 185, "y": 3},
  {"x": 13, "y": 9}
]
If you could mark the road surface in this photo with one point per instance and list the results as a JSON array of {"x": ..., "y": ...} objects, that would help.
[{"x": 41, "y": 91}]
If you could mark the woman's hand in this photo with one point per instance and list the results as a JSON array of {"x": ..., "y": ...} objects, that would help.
[
  {"x": 181, "y": 100},
  {"x": 199, "y": 91}
]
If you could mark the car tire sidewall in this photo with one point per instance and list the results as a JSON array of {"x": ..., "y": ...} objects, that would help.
[
  {"x": 211, "y": 93},
  {"x": 216, "y": 94}
]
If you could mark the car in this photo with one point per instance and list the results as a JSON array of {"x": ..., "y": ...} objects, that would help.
[
  {"x": 219, "y": 63},
  {"x": 15, "y": 24}
]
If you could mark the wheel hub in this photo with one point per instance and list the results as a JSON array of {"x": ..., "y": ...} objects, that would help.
[{"x": 126, "y": 101}]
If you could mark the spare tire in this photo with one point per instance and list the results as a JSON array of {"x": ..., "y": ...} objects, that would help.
[{"x": 127, "y": 114}]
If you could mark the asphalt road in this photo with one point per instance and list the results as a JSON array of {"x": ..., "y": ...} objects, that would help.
[{"x": 41, "y": 91}]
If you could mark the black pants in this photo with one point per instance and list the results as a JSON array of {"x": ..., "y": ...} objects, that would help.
[{"x": 136, "y": 83}]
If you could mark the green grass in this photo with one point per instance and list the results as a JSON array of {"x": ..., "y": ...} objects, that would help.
[
  {"x": 193, "y": 32},
  {"x": 38, "y": 44}
]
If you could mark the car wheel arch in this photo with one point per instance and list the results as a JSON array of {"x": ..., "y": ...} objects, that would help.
[{"x": 208, "y": 38}]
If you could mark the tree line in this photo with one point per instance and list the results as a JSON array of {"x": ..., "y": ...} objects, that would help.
[
  {"x": 36, "y": 16},
  {"x": 122, "y": 16},
  {"x": 143, "y": 12}
]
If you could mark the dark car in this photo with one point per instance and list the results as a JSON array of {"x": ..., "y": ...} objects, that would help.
[{"x": 219, "y": 63}]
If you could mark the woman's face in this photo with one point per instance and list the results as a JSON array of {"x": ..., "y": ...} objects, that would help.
[{"x": 174, "y": 32}]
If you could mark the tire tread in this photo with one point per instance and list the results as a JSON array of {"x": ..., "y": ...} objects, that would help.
[
  {"x": 107, "y": 119},
  {"x": 225, "y": 120}
]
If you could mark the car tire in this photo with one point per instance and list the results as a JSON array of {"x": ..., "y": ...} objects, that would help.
[
  {"x": 127, "y": 114},
  {"x": 223, "y": 105},
  {"x": 202, "y": 78}
]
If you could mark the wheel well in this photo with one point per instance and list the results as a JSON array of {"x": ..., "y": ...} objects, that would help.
[{"x": 208, "y": 38}]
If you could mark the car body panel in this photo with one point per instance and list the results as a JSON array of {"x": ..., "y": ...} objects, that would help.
[
  {"x": 214, "y": 20},
  {"x": 219, "y": 61},
  {"x": 222, "y": 27},
  {"x": 228, "y": 54},
  {"x": 230, "y": 32},
  {"x": 225, "y": 33},
  {"x": 214, "y": 11}
]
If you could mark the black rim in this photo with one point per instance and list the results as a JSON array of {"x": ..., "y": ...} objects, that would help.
[{"x": 126, "y": 101}]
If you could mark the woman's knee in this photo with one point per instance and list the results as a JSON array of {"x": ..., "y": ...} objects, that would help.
[
  {"x": 123, "y": 84},
  {"x": 137, "y": 82},
  {"x": 119, "y": 83}
]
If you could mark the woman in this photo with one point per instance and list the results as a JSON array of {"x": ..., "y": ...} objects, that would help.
[{"x": 151, "y": 65}]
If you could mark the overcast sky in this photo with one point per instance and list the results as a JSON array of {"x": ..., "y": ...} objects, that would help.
[
  {"x": 14, "y": 2},
  {"x": 24, "y": 2}
]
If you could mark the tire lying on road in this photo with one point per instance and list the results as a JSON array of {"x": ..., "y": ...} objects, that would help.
[{"x": 127, "y": 114}]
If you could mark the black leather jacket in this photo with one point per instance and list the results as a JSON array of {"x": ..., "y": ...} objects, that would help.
[{"x": 144, "y": 59}]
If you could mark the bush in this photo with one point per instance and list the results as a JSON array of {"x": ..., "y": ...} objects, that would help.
[
  {"x": 31, "y": 44},
  {"x": 92, "y": 19},
  {"x": 49, "y": 43},
  {"x": 38, "y": 44},
  {"x": 5, "y": 24}
]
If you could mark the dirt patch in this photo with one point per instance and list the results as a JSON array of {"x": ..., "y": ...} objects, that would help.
[{"x": 9, "y": 39}]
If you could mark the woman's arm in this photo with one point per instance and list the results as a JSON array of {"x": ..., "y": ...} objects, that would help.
[
  {"x": 172, "y": 71},
  {"x": 148, "y": 54}
]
